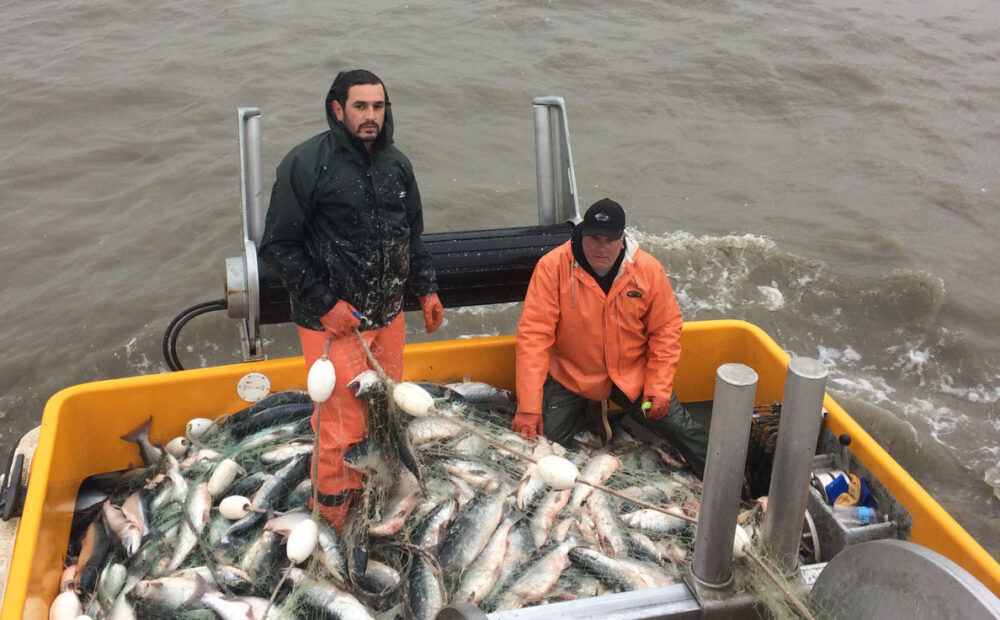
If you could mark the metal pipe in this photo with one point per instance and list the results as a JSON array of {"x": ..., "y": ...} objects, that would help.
[
  {"x": 251, "y": 176},
  {"x": 794, "y": 452},
  {"x": 544, "y": 164},
  {"x": 732, "y": 409}
]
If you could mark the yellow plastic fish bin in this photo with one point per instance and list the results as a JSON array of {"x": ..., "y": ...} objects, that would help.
[{"x": 82, "y": 425}]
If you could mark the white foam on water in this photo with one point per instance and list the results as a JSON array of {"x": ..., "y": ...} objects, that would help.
[
  {"x": 471, "y": 336},
  {"x": 829, "y": 356},
  {"x": 922, "y": 412},
  {"x": 850, "y": 355},
  {"x": 943, "y": 421},
  {"x": 137, "y": 358},
  {"x": 773, "y": 299},
  {"x": 710, "y": 273},
  {"x": 914, "y": 362},
  {"x": 485, "y": 309},
  {"x": 873, "y": 389},
  {"x": 992, "y": 477},
  {"x": 976, "y": 394}
]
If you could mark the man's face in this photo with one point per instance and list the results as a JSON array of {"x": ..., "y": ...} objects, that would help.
[
  {"x": 600, "y": 251},
  {"x": 364, "y": 114}
]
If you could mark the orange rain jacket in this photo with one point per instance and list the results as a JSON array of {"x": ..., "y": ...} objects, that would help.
[{"x": 586, "y": 340}]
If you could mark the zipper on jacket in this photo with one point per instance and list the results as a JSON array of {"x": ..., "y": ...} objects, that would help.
[
  {"x": 380, "y": 285},
  {"x": 572, "y": 285}
]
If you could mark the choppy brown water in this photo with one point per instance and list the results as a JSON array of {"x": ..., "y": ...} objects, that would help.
[{"x": 826, "y": 171}]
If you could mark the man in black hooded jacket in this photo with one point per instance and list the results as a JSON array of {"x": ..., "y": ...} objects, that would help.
[{"x": 343, "y": 233}]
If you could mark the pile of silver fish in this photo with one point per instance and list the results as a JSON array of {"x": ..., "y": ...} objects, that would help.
[{"x": 453, "y": 510}]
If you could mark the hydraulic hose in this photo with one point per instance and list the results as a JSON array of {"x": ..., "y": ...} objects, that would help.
[{"x": 175, "y": 326}]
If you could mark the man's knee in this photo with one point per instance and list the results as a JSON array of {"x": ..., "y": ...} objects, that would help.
[
  {"x": 562, "y": 412},
  {"x": 683, "y": 432},
  {"x": 560, "y": 425}
]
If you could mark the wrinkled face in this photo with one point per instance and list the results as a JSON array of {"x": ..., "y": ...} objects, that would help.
[
  {"x": 600, "y": 251},
  {"x": 364, "y": 114}
]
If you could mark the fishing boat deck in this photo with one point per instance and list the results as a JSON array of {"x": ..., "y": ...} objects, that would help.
[{"x": 81, "y": 426}]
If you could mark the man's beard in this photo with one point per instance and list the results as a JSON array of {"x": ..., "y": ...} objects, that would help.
[{"x": 368, "y": 137}]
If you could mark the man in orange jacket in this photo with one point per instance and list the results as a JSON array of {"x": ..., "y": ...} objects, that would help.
[{"x": 600, "y": 321}]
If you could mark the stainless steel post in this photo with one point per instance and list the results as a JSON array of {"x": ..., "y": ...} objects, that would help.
[
  {"x": 729, "y": 434},
  {"x": 251, "y": 176},
  {"x": 242, "y": 278},
  {"x": 557, "y": 200},
  {"x": 545, "y": 177},
  {"x": 801, "y": 417}
]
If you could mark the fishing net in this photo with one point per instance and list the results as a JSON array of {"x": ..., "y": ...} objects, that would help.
[{"x": 453, "y": 509}]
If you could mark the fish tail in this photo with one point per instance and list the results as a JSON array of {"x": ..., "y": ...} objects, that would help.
[{"x": 140, "y": 432}]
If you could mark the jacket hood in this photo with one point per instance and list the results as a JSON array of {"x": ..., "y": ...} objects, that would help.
[
  {"x": 631, "y": 247},
  {"x": 384, "y": 137}
]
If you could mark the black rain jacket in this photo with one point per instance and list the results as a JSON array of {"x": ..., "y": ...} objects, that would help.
[{"x": 343, "y": 224}]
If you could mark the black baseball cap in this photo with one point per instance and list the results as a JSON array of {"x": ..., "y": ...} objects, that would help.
[{"x": 605, "y": 217}]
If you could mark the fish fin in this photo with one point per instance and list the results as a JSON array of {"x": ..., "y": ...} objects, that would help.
[
  {"x": 513, "y": 514},
  {"x": 163, "y": 451},
  {"x": 201, "y": 587},
  {"x": 152, "y": 532},
  {"x": 139, "y": 432},
  {"x": 359, "y": 561}
]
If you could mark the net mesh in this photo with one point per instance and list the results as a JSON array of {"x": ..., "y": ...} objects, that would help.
[{"x": 453, "y": 510}]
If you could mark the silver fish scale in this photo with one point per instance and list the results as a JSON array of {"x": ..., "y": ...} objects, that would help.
[{"x": 479, "y": 525}]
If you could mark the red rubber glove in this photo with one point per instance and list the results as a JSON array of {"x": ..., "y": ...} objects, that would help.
[
  {"x": 658, "y": 407},
  {"x": 527, "y": 425},
  {"x": 433, "y": 312},
  {"x": 340, "y": 320}
]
